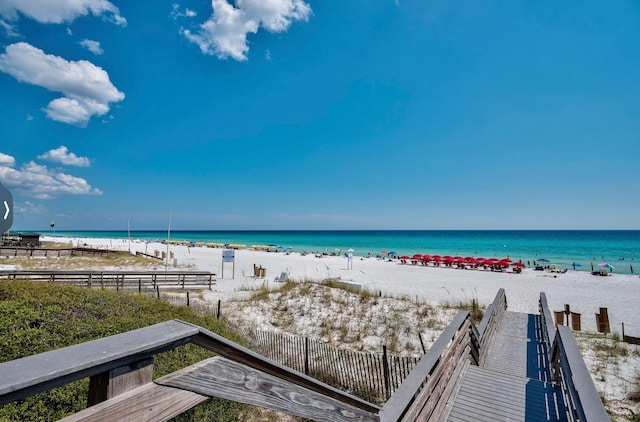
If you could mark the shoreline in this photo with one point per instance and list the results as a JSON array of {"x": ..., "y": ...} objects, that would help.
[{"x": 584, "y": 292}]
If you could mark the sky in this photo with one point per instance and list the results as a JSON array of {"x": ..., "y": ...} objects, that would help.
[{"x": 320, "y": 114}]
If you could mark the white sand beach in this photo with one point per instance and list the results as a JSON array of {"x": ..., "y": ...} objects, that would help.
[{"x": 584, "y": 292}]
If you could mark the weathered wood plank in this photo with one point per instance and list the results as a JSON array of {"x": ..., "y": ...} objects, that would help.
[
  {"x": 23, "y": 377},
  {"x": 149, "y": 403},
  {"x": 228, "y": 349},
  {"x": 219, "y": 377}
]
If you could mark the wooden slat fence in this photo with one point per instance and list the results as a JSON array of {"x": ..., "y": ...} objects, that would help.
[
  {"x": 50, "y": 252},
  {"x": 372, "y": 376},
  {"x": 131, "y": 280}
]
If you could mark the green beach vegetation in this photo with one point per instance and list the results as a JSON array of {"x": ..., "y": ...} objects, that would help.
[{"x": 38, "y": 317}]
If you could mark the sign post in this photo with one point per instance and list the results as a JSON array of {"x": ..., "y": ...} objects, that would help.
[
  {"x": 228, "y": 255},
  {"x": 6, "y": 209}
]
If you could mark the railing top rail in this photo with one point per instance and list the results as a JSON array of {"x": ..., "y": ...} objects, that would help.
[
  {"x": 499, "y": 301},
  {"x": 23, "y": 377},
  {"x": 549, "y": 328},
  {"x": 404, "y": 396},
  {"x": 590, "y": 403}
]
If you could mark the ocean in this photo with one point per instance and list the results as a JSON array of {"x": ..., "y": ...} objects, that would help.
[{"x": 586, "y": 248}]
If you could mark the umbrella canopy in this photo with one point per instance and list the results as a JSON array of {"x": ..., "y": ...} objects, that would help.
[
  {"x": 542, "y": 260},
  {"x": 518, "y": 264},
  {"x": 607, "y": 266},
  {"x": 436, "y": 258},
  {"x": 384, "y": 252},
  {"x": 417, "y": 256},
  {"x": 404, "y": 257},
  {"x": 575, "y": 264},
  {"x": 426, "y": 257}
]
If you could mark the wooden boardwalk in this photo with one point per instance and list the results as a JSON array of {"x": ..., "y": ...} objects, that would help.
[
  {"x": 513, "y": 367},
  {"x": 514, "y": 384}
]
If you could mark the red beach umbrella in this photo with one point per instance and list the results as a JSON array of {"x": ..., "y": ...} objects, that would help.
[
  {"x": 436, "y": 258},
  {"x": 426, "y": 257},
  {"x": 404, "y": 257},
  {"x": 417, "y": 256},
  {"x": 518, "y": 264},
  {"x": 471, "y": 260}
]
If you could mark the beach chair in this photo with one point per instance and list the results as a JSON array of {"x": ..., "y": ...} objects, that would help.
[{"x": 283, "y": 277}]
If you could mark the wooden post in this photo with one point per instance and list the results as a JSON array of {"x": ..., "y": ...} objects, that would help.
[
  {"x": 218, "y": 312},
  {"x": 117, "y": 381},
  {"x": 603, "y": 321},
  {"x": 424, "y": 349},
  {"x": 139, "y": 286},
  {"x": 187, "y": 299},
  {"x": 158, "y": 291},
  {"x": 306, "y": 355},
  {"x": 559, "y": 317},
  {"x": 385, "y": 370},
  {"x": 575, "y": 321}
]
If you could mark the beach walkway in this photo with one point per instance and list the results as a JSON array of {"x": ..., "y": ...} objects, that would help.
[
  {"x": 512, "y": 367},
  {"x": 514, "y": 383}
]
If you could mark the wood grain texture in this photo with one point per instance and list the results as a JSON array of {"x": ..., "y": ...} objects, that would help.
[
  {"x": 219, "y": 377},
  {"x": 149, "y": 403}
]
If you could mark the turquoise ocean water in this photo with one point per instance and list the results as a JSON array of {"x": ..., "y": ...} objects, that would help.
[{"x": 620, "y": 248}]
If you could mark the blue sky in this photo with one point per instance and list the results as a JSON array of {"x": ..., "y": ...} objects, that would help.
[{"x": 293, "y": 114}]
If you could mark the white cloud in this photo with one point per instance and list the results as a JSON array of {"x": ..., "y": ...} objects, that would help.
[
  {"x": 93, "y": 46},
  {"x": 86, "y": 87},
  {"x": 176, "y": 13},
  {"x": 7, "y": 160},
  {"x": 9, "y": 29},
  {"x": 59, "y": 11},
  {"x": 224, "y": 34},
  {"x": 41, "y": 182},
  {"x": 63, "y": 156}
]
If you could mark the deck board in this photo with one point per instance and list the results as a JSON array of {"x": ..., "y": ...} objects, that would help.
[
  {"x": 514, "y": 383},
  {"x": 486, "y": 395}
]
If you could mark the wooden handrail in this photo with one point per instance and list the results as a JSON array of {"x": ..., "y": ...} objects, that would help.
[
  {"x": 27, "y": 376},
  {"x": 421, "y": 379},
  {"x": 570, "y": 371},
  {"x": 548, "y": 327}
]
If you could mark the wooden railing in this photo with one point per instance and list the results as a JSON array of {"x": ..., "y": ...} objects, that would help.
[
  {"x": 141, "y": 280},
  {"x": 120, "y": 383},
  {"x": 569, "y": 371},
  {"x": 16, "y": 251},
  {"x": 425, "y": 393},
  {"x": 490, "y": 322}
]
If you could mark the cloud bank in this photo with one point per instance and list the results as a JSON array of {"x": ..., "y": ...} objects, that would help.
[
  {"x": 40, "y": 182},
  {"x": 224, "y": 34},
  {"x": 59, "y": 11},
  {"x": 86, "y": 87}
]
